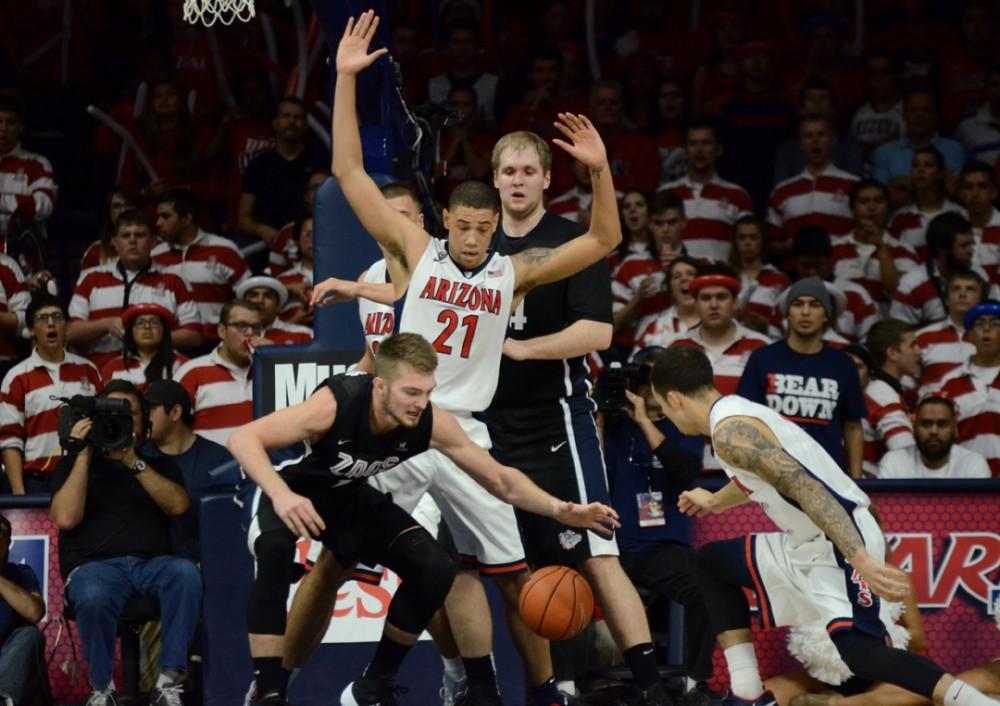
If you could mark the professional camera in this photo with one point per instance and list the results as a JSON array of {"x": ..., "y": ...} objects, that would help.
[
  {"x": 614, "y": 380},
  {"x": 112, "y": 420}
]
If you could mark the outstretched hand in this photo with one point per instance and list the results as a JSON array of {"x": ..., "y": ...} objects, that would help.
[
  {"x": 352, "y": 53},
  {"x": 585, "y": 143},
  {"x": 333, "y": 290},
  {"x": 595, "y": 516}
]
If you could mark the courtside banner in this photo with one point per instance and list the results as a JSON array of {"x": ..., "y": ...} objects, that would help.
[
  {"x": 949, "y": 543},
  {"x": 287, "y": 375}
]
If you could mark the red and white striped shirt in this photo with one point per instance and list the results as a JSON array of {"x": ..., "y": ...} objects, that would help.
[
  {"x": 212, "y": 266},
  {"x": 919, "y": 300},
  {"x": 569, "y": 204},
  {"x": 859, "y": 263},
  {"x": 659, "y": 330},
  {"x": 988, "y": 247},
  {"x": 14, "y": 298},
  {"x": 92, "y": 256},
  {"x": 100, "y": 292},
  {"x": 284, "y": 251},
  {"x": 625, "y": 283},
  {"x": 944, "y": 346},
  {"x": 133, "y": 369},
  {"x": 805, "y": 200},
  {"x": 909, "y": 224},
  {"x": 711, "y": 209},
  {"x": 27, "y": 186},
  {"x": 758, "y": 297},
  {"x": 299, "y": 273},
  {"x": 975, "y": 392},
  {"x": 887, "y": 425},
  {"x": 221, "y": 395},
  {"x": 283, "y": 333},
  {"x": 29, "y": 420}
]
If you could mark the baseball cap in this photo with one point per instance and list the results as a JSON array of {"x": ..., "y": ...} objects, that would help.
[
  {"x": 168, "y": 393},
  {"x": 987, "y": 308}
]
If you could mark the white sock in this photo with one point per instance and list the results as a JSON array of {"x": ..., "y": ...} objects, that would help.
[
  {"x": 743, "y": 672},
  {"x": 567, "y": 687},
  {"x": 166, "y": 679},
  {"x": 454, "y": 668},
  {"x": 962, "y": 694}
]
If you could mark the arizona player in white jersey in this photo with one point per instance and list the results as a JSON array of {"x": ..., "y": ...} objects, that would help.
[
  {"x": 824, "y": 565},
  {"x": 459, "y": 296}
]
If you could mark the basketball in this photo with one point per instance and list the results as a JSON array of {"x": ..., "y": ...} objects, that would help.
[{"x": 557, "y": 603}]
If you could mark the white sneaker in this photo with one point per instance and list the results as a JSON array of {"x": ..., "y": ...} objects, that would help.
[
  {"x": 167, "y": 695},
  {"x": 450, "y": 688},
  {"x": 102, "y": 697}
]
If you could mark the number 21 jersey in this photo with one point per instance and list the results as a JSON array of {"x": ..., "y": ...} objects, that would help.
[{"x": 464, "y": 315}]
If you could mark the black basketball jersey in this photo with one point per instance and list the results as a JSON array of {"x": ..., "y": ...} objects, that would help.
[
  {"x": 549, "y": 309},
  {"x": 348, "y": 452}
]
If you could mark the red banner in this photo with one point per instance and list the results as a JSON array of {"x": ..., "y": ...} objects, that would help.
[{"x": 949, "y": 544}]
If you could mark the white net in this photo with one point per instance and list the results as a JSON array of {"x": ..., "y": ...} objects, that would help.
[{"x": 208, "y": 12}]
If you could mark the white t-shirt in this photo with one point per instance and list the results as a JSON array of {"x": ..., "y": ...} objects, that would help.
[{"x": 906, "y": 463}]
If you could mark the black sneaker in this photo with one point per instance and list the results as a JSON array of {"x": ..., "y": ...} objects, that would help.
[
  {"x": 479, "y": 695},
  {"x": 371, "y": 692},
  {"x": 700, "y": 695},
  {"x": 271, "y": 698},
  {"x": 655, "y": 695}
]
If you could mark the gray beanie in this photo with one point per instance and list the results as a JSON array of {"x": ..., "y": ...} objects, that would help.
[{"x": 810, "y": 287}]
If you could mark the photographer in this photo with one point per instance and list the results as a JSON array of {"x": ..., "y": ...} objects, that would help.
[
  {"x": 113, "y": 510},
  {"x": 649, "y": 464}
]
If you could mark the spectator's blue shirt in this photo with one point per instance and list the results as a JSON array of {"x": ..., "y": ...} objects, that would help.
[
  {"x": 24, "y": 576},
  {"x": 195, "y": 464},
  {"x": 632, "y": 469},
  {"x": 817, "y": 391},
  {"x": 894, "y": 159}
]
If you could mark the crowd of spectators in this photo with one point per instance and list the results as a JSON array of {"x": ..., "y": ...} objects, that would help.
[{"x": 808, "y": 193}]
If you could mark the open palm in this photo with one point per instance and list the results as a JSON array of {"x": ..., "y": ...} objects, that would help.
[
  {"x": 352, "y": 53},
  {"x": 585, "y": 144}
]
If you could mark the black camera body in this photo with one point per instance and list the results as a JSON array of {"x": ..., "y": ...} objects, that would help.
[
  {"x": 614, "y": 380},
  {"x": 112, "y": 418}
]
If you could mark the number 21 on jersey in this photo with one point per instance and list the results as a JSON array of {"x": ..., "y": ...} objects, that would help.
[{"x": 451, "y": 322}]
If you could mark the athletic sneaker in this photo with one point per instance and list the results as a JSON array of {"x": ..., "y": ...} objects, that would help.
[
  {"x": 478, "y": 695},
  {"x": 450, "y": 689},
  {"x": 167, "y": 696},
  {"x": 655, "y": 695},
  {"x": 765, "y": 699},
  {"x": 371, "y": 692},
  {"x": 102, "y": 697},
  {"x": 700, "y": 695},
  {"x": 271, "y": 698}
]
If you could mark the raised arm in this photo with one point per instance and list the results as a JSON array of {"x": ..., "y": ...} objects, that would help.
[
  {"x": 249, "y": 445},
  {"x": 402, "y": 240},
  {"x": 509, "y": 484},
  {"x": 537, "y": 266},
  {"x": 749, "y": 444}
]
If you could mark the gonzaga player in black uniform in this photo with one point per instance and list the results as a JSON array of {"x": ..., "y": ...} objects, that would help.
[
  {"x": 355, "y": 426},
  {"x": 541, "y": 418}
]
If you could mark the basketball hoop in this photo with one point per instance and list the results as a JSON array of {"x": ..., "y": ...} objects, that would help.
[{"x": 208, "y": 12}]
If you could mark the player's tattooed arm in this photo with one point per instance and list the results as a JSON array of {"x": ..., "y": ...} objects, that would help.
[{"x": 744, "y": 443}]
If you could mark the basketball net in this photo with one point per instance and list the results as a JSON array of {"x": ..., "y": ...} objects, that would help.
[{"x": 208, "y": 12}]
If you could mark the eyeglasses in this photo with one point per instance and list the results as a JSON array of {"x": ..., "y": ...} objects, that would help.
[
  {"x": 983, "y": 324},
  {"x": 153, "y": 323},
  {"x": 244, "y": 327},
  {"x": 55, "y": 317}
]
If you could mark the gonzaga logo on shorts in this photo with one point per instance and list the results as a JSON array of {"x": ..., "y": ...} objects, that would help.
[{"x": 803, "y": 397}]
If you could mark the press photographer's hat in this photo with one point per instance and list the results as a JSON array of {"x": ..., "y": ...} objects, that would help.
[{"x": 168, "y": 393}]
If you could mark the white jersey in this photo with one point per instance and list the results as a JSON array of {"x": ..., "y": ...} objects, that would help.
[
  {"x": 798, "y": 528},
  {"x": 378, "y": 320},
  {"x": 464, "y": 315}
]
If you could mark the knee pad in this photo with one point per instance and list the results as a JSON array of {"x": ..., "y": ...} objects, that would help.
[
  {"x": 266, "y": 611},
  {"x": 427, "y": 573},
  {"x": 872, "y": 659}
]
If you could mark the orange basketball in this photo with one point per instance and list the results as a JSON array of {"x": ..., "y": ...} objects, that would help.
[{"x": 557, "y": 603}]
